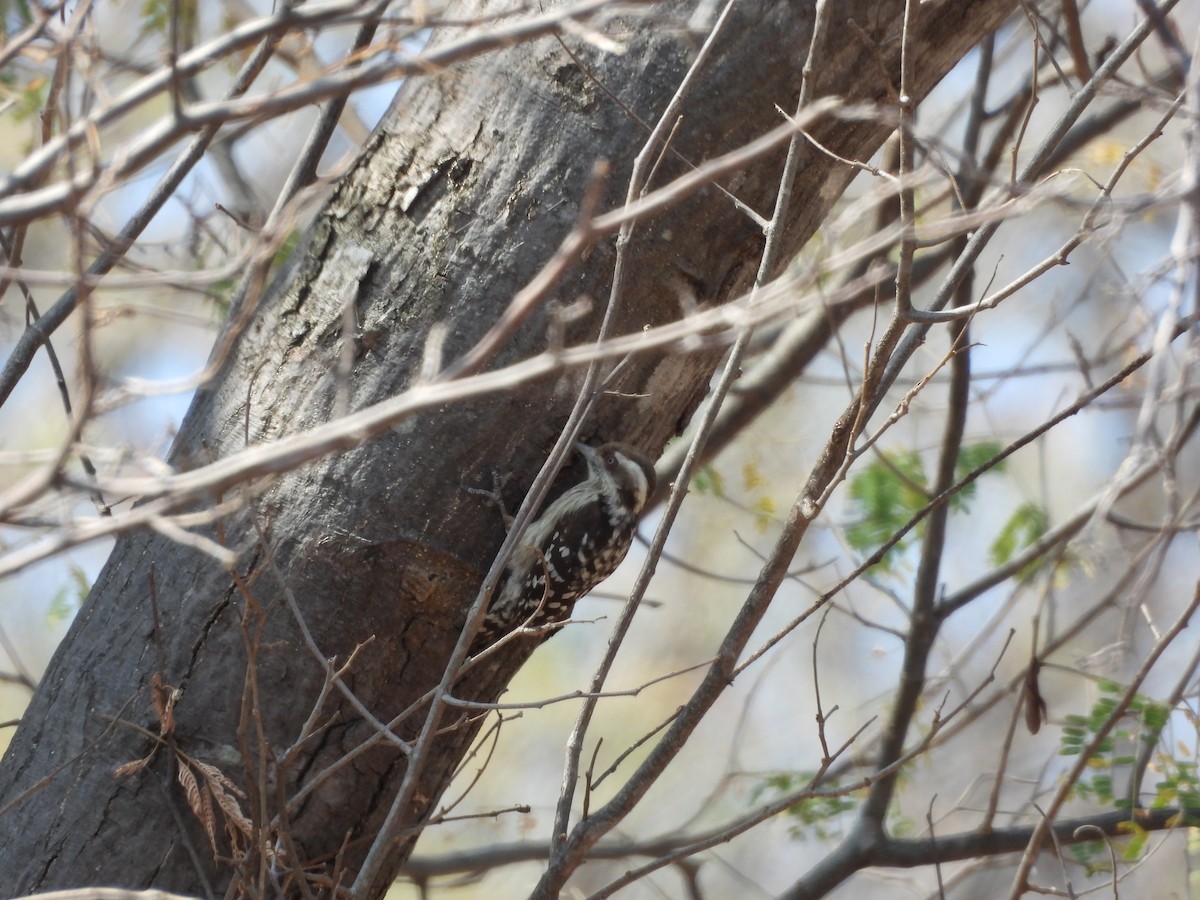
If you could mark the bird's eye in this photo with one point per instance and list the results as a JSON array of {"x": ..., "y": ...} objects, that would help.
[{"x": 610, "y": 459}]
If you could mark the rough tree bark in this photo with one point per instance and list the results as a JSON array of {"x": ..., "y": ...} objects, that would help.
[{"x": 464, "y": 191}]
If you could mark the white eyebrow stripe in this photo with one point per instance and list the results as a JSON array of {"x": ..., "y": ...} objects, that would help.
[{"x": 641, "y": 487}]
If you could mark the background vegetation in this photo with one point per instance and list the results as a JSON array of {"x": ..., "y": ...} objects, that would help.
[{"x": 925, "y": 607}]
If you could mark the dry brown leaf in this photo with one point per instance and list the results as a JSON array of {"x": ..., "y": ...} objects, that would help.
[
  {"x": 231, "y": 808},
  {"x": 210, "y": 820},
  {"x": 223, "y": 791},
  {"x": 1036, "y": 711},
  {"x": 216, "y": 775},
  {"x": 132, "y": 766},
  {"x": 162, "y": 695},
  {"x": 200, "y": 805}
]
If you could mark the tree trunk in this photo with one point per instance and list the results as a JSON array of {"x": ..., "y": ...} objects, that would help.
[{"x": 463, "y": 193}]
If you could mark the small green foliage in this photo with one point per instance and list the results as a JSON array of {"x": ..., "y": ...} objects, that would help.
[
  {"x": 31, "y": 99},
  {"x": 22, "y": 10},
  {"x": 1141, "y": 725},
  {"x": 812, "y": 816},
  {"x": 708, "y": 482},
  {"x": 886, "y": 494},
  {"x": 1179, "y": 786},
  {"x": 1023, "y": 528},
  {"x": 1147, "y": 719},
  {"x": 221, "y": 292},
  {"x": 894, "y": 488},
  {"x": 1091, "y": 856},
  {"x": 156, "y": 16},
  {"x": 1137, "y": 842},
  {"x": 287, "y": 247},
  {"x": 970, "y": 458},
  {"x": 68, "y": 598},
  {"x": 902, "y": 826}
]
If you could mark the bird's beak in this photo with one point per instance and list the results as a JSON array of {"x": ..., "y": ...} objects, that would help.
[{"x": 588, "y": 453}]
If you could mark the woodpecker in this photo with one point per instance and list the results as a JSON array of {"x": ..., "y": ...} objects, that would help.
[{"x": 577, "y": 542}]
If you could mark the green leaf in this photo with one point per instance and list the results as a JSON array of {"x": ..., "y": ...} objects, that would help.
[
  {"x": 1142, "y": 722},
  {"x": 155, "y": 15},
  {"x": 68, "y": 598},
  {"x": 1027, "y": 523},
  {"x": 970, "y": 458},
  {"x": 1135, "y": 847},
  {"x": 708, "y": 481},
  {"x": 21, "y": 7},
  {"x": 884, "y": 496},
  {"x": 893, "y": 488},
  {"x": 32, "y": 99},
  {"x": 811, "y": 815},
  {"x": 1092, "y": 855},
  {"x": 1155, "y": 717}
]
